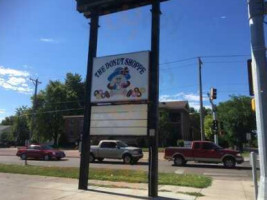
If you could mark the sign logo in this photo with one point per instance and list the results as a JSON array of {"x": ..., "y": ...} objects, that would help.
[{"x": 120, "y": 78}]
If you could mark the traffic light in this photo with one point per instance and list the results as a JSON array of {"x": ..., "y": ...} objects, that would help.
[
  {"x": 253, "y": 104},
  {"x": 213, "y": 93},
  {"x": 215, "y": 125},
  {"x": 250, "y": 78}
]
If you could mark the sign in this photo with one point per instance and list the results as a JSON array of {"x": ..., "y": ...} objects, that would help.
[
  {"x": 121, "y": 120},
  {"x": 105, "y": 7},
  {"x": 120, "y": 78}
]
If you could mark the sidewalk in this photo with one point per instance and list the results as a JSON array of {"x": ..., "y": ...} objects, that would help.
[{"x": 24, "y": 187}]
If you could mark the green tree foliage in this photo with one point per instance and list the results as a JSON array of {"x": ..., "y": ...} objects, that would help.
[
  {"x": 58, "y": 99},
  {"x": 238, "y": 119},
  {"x": 167, "y": 133},
  {"x": 8, "y": 121},
  {"x": 208, "y": 127},
  {"x": 20, "y": 127}
]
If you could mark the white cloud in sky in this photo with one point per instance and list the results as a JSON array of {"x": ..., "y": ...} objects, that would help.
[
  {"x": 193, "y": 99},
  {"x": 48, "y": 40},
  {"x": 16, "y": 80},
  {"x": 223, "y": 17},
  {"x": 13, "y": 72},
  {"x": 2, "y": 111}
]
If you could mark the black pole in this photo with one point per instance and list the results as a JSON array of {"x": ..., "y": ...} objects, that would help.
[
  {"x": 153, "y": 100},
  {"x": 85, "y": 151}
]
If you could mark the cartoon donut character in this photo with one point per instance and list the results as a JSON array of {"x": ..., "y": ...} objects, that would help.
[{"x": 119, "y": 79}]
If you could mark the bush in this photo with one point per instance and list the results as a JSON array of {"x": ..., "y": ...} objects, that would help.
[{"x": 180, "y": 143}]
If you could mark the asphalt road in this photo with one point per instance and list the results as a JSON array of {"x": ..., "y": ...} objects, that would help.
[{"x": 241, "y": 172}]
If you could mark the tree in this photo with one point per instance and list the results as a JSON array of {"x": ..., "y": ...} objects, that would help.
[
  {"x": 8, "y": 121},
  {"x": 20, "y": 127},
  {"x": 58, "y": 99},
  {"x": 238, "y": 119},
  {"x": 208, "y": 127}
]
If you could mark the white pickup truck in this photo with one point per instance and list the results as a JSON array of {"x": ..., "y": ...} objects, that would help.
[{"x": 115, "y": 149}]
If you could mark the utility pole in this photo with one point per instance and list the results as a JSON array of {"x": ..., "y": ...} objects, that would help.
[
  {"x": 35, "y": 82},
  {"x": 201, "y": 100},
  {"x": 257, "y": 9}
]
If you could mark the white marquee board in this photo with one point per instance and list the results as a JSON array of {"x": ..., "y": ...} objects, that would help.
[
  {"x": 120, "y": 120},
  {"x": 120, "y": 78}
]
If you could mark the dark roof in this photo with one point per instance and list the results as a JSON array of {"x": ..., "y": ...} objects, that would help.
[
  {"x": 4, "y": 128},
  {"x": 109, "y": 6},
  {"x": 174, "y": 105}
]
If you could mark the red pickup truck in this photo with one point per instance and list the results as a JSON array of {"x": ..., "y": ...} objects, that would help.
[{"x": 203, "y": 151}]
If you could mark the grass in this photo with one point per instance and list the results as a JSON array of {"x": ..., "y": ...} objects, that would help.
[{"x": 188, "y": 180}]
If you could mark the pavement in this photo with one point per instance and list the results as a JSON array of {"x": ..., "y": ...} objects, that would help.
[{"x": 24, "y": 187}]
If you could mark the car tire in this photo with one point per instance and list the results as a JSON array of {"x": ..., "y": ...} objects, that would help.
[
  {"x": 23, "y": 156},
  {"x": 179, "y": 161},
  {"x": 229, "y": 162},
  {"x": 46, "y": 157},
  {"x": 91, "y": 158},
  {"x": 100, "y": 159},
  {"x": 127, "y": 159}
]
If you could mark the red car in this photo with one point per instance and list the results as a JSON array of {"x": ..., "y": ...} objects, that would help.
[
  {"x": 44, "y": 152},
  {"x": 203, "y": 151}
]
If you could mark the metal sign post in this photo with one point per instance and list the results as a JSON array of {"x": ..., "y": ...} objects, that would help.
[
  {"x": 84, "y": 163},
  {"x": 153, "y": 100}
]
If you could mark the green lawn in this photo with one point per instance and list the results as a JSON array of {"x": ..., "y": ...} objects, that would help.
[{"x": 131, "y": 176}]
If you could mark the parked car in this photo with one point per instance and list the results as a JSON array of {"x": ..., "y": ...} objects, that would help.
[
  {"x": 203, "y": 151},
  {"x": 115, "y": 149},
  {"x": 44, "y": 152}
]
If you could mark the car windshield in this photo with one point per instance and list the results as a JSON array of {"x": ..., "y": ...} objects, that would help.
[
  {"x": 46, "y": 147},
  {"x": 217, "y": 146},
  {"x": 121, "y": 144}
]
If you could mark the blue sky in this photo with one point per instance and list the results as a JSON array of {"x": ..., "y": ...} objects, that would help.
[{"x": 47, "y": 39}]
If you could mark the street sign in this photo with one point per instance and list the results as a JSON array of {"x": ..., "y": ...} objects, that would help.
[{"x": 120, "y": 78}]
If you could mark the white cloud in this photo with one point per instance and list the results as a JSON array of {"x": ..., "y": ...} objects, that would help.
[
  {"x": 13, "y": 72},
  {"x": 48, "y": 40},
  {"x": 193, "y": 99},
  {"x": 223, "y": 17},
  {"x": 2, "y": 111},
  {"x": 15, "y": 80}
]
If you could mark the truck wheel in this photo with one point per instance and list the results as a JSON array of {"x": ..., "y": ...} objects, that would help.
[
  {"x": 91, "y": 158},
  {"x": 127, "y": 159},
  {"x": 100, "y": 159},
  {"x": 179, "y": 161},
  {"x": 23, "y": 156},
  {"x": 229, "y": 162}
]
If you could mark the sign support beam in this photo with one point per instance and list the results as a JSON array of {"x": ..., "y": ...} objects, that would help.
[
  {"x": 153, "y": 100},
  {"x": 85, "y": 152}
]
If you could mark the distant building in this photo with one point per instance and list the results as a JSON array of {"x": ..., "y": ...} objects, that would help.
[
  {"x": 4, "y": 128},
  {"x": 178, "y": 118}
]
